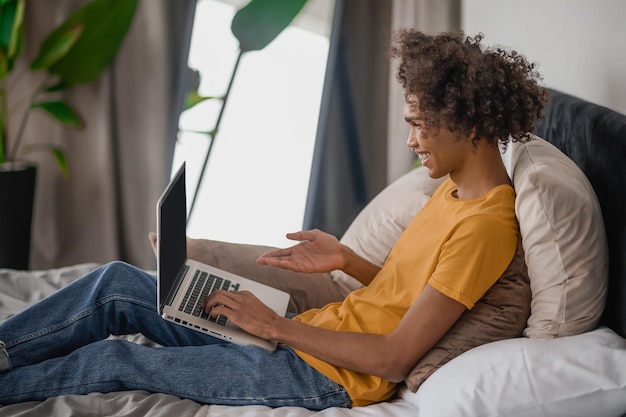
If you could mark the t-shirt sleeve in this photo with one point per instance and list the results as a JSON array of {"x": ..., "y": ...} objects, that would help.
[{"x": 476, "y": 253}]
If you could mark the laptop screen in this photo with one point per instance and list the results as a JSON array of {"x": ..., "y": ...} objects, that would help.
[{"x": 172, "y": 231}]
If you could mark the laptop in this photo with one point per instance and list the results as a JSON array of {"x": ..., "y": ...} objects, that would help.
[{"x": 183, "y": 284}]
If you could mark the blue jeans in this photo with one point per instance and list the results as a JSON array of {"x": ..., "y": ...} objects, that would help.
[{"x": 58, "y": 346}]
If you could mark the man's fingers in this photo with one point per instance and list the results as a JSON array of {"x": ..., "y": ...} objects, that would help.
[
  {"x": 221, "y": 298},
  {"x": 217, "y": 298}
]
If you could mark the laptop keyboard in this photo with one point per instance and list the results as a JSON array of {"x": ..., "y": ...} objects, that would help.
[{"x": 203, "y": 284}]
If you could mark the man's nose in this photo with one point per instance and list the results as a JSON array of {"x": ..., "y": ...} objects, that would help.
[{"x": 411, "y": 141}]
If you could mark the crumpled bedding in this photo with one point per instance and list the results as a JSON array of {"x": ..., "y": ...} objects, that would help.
[
  {"x": 140, "y": 403},
  {"x": 19, "y": 289}
]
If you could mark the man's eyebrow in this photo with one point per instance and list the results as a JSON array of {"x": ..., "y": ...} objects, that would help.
[{"x": 410, "y": 119}]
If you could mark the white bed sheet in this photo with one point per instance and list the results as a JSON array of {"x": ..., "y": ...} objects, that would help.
[
  {"x": 139, "y": 403},
  {"x": 18, "y": 289}
]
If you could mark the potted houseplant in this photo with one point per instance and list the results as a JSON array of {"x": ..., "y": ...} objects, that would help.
[{"x": 75, "y": 52}]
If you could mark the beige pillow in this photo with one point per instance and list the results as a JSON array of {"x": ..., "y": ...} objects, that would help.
[
  {"x": 306, "y": 290},
  {"x": 378, "y": 226},
  {"x": 564, "y": 239},
  {"x": 500, "y": 314}
]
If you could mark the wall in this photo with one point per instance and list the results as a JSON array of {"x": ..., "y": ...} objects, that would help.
[{"x": 579, "y": 45}]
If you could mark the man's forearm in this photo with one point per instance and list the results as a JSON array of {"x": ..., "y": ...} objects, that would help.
[
  {"x": 366, "y": 353},
  {"x": 358, "y": 267}
]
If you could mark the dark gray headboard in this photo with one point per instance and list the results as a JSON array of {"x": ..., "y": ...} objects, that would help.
[{"x": 594, "y": 137}]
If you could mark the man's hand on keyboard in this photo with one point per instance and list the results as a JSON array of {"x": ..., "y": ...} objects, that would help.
[{"x": 244, "y": 309}]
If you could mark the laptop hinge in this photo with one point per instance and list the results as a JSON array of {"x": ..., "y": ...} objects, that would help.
[{"x": 174, "y": 290}]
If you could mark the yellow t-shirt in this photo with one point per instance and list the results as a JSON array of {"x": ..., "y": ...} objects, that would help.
[{"x": 459, "y": 247}]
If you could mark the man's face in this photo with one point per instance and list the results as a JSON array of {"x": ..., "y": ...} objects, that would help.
[{"x": 440, "y": 150}]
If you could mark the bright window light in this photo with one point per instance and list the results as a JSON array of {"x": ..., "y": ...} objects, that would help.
[{"x": 255, "y": 185}]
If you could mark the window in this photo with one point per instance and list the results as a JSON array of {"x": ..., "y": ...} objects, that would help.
[{"x": 255, "y": 185}]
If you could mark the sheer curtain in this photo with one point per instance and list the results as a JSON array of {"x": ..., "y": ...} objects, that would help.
[
  {"x": 122, "y": 159},
  {"x": 360, "y": 144}
]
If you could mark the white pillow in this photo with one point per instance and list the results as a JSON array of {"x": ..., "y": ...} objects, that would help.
[
  {"x": 378, "y": 226},
  {"x": 564, "y": 239},
  {"x": 581, "y": 375}
]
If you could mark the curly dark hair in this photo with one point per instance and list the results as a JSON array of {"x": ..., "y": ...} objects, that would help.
[{"x": 491, "y": 92}]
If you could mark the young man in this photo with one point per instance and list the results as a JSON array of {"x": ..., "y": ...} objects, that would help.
[{"x": 462, "y": 101}]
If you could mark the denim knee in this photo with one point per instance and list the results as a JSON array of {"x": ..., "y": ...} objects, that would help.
[
  {"x": 116, "y": 269},
  {"x": 120, "y": 274}
]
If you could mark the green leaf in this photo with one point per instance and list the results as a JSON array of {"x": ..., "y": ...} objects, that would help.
[
  {"x": 106, "y": 23},
  {"x": 261, "y": 21},
  {"x": 194, "y": 98},
  {"x": 8, "y": 10},
  {"x": 57, "y": 154},
  {"x": 201, "y": 132},
  {"x": 61, "y": 160},
  {"x": 16, "y": 41},
  {"x": 56, "y": 46},
  {"x": 61, "y": 112},
  {"x": 11, "y": 30}
]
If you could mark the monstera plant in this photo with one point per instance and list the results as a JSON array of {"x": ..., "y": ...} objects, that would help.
[{"x": 75, "y": 52}]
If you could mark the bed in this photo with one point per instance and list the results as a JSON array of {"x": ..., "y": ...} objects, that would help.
[{"x": 571, "y": 360}]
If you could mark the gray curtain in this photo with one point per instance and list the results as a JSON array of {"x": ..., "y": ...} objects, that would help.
[
  {"x": 121, "y": 161},
  {"x": 360, "y": 144},
  {"x": 349, "y": 152}
]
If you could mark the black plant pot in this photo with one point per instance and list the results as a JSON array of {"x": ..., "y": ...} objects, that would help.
[{"x": 17, "y": 195}]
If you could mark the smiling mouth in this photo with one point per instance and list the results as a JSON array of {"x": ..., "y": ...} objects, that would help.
[{"x": 423, "y": 156}]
